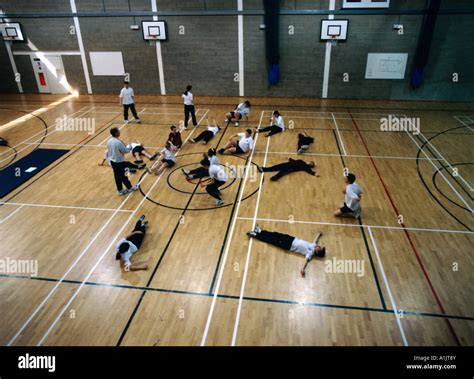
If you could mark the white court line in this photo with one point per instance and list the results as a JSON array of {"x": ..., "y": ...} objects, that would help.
[
  {"x": 257, "y": 152},
  {"x": 387, "y": 286},
  {"x": 440, "y": 172},
  {"x": 339, "y": 134},
  {"x": 462, "y": 122},
  {"x": 41, "y": 131},
  {"x": 247, "y": 261},
  {"x": 34, "y": 142},
  {"x": 11, "y": 214},
  {"x": 328, "y": 113},
  {"x": 122, "y": 126},
  {"x": 56, "y": 320},
  {"x": 348, "y": 155},
  {"x": 226, "y": 252},
  {"x": 65, "y": 207},
  {"x": 453, "y": 231},
  {"x": 442, "y": 157}
]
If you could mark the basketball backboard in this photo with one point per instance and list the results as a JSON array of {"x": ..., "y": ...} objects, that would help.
[
  {"x": 334, "y": 30},
  {"x": 11, "y": 31},
  {"x": 154, "y": 31}
]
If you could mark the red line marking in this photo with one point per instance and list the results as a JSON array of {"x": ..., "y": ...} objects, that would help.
[{"x": 425, "y": 273}]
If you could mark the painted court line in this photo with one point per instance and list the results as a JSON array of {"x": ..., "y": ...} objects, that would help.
[
  {"x": 120, "y": 128},
  {"x": 442, "y": 175},
  {"x": 464, "y": 123},
  {"x": 65, "y": 207},
  {"x": 11, "y": 214},
  {"x": 348, "y": 155},
  {"x": 249, "y": 250},
  {"x": 339, "y": 134},
  {"x": 226, "y": 252},
  {"x": 106, "y": 250},
  {"x": 427, "y": 141},
  {"x": 359, "y": 225},
  {"x": 389, "y": 291},
  {"x": 51, "y": 292},
  {"x": 40, "y": 132}
]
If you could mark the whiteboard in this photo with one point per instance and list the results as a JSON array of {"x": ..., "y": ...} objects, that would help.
[
  {"x": 386, "y": 66},
  {"x": 107, "y": 63}
]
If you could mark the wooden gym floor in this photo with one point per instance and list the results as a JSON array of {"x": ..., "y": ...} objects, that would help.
[{"x": 207, "y": 283}]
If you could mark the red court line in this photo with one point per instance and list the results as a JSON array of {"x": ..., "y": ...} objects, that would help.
[{"x": 425, "y": 273}]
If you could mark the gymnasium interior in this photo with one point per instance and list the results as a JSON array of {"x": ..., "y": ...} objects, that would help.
[{"x": 384, "y": 87}]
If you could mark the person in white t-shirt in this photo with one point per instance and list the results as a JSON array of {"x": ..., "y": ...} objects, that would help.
[
  {"x": 208, "y": 134},
  {"x": 277, "y": 125},
  {"x": 188, "y": 100},
  {"x": 166, "y": 159},
  {"x": 244, "y": 145},
  {"x": 241, "y": 110},
  {"x": 292, "y": 244},
  {"x": 352, "y": 193},
  {"x": 129, "y": 245},
  {"x": 138, "y": 151},
  {"x": 217, "y": 178},
  {"x": 127, "y": 100},
  {"x": 203, "y": 170}
]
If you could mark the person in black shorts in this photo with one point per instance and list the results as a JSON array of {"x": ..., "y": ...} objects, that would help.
[
  {"x": 303, "y": 142},
  {"x": 203, "y": 170},
  {"x": 293, "y": 165},
  {"x": 208, "y": 134},
  {"x": 138, "y": 151},
  {"x": 129, "y": 245},
  {"x": 167, "y": 159}
]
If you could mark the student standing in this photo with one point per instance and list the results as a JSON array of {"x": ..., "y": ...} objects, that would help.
[
  {"x": 293, "y": 244},
  {"x": 188, "y": 99},
  {"x": 244, "y": 145},
  {"x": 116, "y": 149},
  {"x": 277, "y": 125},
  {"x": 128, "y": 102},
  {"x": 217, "y": 178},
  {"x": 352, "y": 195}
]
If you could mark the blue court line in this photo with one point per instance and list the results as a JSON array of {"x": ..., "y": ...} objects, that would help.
[{"x": 249, "y": 298}]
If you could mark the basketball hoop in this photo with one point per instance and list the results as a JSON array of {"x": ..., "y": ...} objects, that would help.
[
  {"x": 333, "y": 39},
  {"x": 153, "y": 36}
]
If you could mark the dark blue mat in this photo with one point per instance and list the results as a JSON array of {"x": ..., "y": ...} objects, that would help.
[{"x": 25, "y": 168}]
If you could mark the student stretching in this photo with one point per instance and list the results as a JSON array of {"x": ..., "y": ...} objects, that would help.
[
  {"x": 129, "y": 245},
  {"x": 303, "y": 142},
  {"x": 277, "y": 125},
  {"x": 167, "y": 159},
  {"x": 175, "y": 137},
  {"x": 288, "y": 167},
  {"x": 243, "y": 109},
  {"x": 293, "y": 244},
  {"x": 208, "y": 134},
  {"x": 138, "y": 151},
  {"x": 203, "y": 171},
  {"x": 217, "y": 178},
  {"x": 243, "y": 146},
  {"x": 352, "y": 194}
]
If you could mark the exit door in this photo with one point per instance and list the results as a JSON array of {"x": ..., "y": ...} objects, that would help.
[{"x": 49, "y": 73}]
